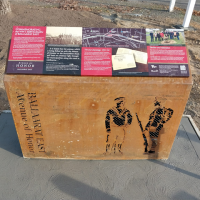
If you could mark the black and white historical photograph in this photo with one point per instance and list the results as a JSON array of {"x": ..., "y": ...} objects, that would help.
[{"x": 64, "y": 35}]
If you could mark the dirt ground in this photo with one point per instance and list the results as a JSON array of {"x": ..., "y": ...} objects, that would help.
[{"x": 140, "y": 15}]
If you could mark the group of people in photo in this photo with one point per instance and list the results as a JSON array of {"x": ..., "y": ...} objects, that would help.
[{"x": 161, "y": 35}]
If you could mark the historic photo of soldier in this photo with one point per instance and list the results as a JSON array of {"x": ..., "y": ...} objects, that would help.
[
  {"x": 157, "y": 119},
  {"x": 64, "y": 35},
  {"x": 118, "y": 118}
]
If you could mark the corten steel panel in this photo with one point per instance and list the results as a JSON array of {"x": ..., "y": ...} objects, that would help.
[{"x": 95, "y": 117}]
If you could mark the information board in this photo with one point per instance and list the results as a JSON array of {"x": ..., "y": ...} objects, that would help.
[{"x": 83, "y": 51}]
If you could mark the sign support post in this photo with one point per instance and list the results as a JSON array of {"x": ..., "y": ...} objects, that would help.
[
  {"x": 171, "y": 6},
  {"x": 188, "y": 14}
]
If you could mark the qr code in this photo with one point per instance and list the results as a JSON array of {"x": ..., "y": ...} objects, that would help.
[{"x": 182, "y": 67}]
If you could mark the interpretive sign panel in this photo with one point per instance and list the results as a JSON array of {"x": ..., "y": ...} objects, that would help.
[
  {"x": 96, "y": 61},
  {"x": 62, "y": 60},
  {"x": 27, "y": 50},
  {"x": 97, "y": 51}
]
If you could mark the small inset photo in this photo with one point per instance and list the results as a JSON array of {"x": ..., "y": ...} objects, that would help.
[
  {"x": 129, "y": 62},
  {"x": 64, "y": 36},
  {"x": 162, "y": 37}
]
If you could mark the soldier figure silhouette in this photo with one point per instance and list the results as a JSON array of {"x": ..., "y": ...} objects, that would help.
[
  {"x": 117, "y": 120},
  {"x": 156, "y": 121}
]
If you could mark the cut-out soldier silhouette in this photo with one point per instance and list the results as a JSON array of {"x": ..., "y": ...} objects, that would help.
[
  {"x": 156, "y": 121},
  {"x": 117, "y": 120}
]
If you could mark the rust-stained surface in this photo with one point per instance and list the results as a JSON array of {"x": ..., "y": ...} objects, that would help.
[{"x": 96, "y": 117}]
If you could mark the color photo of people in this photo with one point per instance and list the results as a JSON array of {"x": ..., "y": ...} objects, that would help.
[{"x": 163, "y": 37}]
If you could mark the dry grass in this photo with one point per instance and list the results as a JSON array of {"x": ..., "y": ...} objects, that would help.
[{"x": 4, "y": 7}]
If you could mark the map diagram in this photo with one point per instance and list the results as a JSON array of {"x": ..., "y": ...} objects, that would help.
[{"x": 114, "y": 37}]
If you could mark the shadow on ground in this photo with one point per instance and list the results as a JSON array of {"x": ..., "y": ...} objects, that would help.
[
  {"x": 182, "y": 195},
  {"x": 8, "y": 136},
  {"x": 78, "y": 189},
  {"x": 158, "y": 162}
]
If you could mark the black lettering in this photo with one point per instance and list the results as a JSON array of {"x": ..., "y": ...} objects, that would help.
[
  {"x": 21, "y": 104},
  {"x": 31, "y": 149},
  {"x": 33, "y": 101},
  {"x": 26, "y": 125},
  {"x": 32, "y": 108},
  {"x": 23, "y": 115},
  {"x": 35, "y": 115},
  {"x": 22, "y": 110},
  {"x": 38, "y": 132},
  {"x": 29, "y": 138},
  {"x": 22, "y": 99},
  {"x": 20, "y": 95},
  {"x": 31, "y": 95},
  {"x": 40, "y": 142},
  {"x": 37, "y": 125},
  {"x": 36, "y": 120}
]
